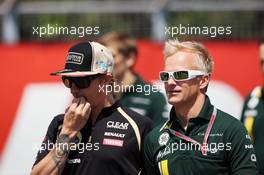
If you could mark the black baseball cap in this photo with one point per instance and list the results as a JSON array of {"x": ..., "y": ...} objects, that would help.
[{"x": 87, "y": 58}]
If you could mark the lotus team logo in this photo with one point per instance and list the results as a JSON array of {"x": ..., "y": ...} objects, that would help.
[
  {"x": 163, "y": 139},
  {"x": 74, "y": 58}
]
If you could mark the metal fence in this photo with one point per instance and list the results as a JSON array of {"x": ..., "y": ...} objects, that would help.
[{"x": 141, "y": 18}]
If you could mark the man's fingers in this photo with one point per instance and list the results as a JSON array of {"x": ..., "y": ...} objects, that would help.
[
  {"x": 80, "y": 106},
  {"x": 75, "y": 100},
  {"x": 74, "y": 105},
  {"x": 86, "y": 110},
  {"x": 66, "y": 110}
]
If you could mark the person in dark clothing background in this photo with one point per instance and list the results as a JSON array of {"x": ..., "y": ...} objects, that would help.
[{"x": 125, "y": 51}]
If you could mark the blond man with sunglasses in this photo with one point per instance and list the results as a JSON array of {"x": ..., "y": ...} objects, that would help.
[
  {"x": 198, "y": 138},
  {"x": 95, "y": 135}
]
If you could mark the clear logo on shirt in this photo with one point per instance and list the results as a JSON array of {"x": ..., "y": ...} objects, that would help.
[{"x": 117, "y": 125}]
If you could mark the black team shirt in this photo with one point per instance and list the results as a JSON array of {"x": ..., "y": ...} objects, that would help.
[{"x": 111, "y": 146}]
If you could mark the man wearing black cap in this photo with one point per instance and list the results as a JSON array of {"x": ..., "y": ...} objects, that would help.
[{"x": 95, "y": 135}]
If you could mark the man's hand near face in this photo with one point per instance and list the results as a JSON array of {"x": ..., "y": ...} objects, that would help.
[{"x": 76, "y": 116}]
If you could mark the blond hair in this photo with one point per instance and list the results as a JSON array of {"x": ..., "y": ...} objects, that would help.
[{"x": 204, "y": 63}]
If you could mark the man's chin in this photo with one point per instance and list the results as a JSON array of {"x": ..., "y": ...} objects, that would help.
[
  {"x": 78, "y": 96},
  {"x": 174, "y": 100}
]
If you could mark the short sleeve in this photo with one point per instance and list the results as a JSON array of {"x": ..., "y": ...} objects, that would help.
[
  {"x": 149, "y": 163},
  {"x": 50, "y": 138}
]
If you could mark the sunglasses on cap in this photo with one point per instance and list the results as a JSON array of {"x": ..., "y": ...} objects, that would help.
[
  {"x": 79, "y": 82},
  {"x": 182, "y": 75}
]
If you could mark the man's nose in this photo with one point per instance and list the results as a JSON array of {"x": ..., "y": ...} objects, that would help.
[{"x": 171, "y": 81}]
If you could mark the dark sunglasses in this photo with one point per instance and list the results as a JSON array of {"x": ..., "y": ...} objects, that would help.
[
  {"x": 182, "y": 75},
  {"x": 79, "y": 82}
]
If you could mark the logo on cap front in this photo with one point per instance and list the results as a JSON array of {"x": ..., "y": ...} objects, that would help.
[{"x": 74, "y": 58}]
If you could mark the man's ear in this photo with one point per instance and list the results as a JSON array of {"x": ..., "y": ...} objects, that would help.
[
  {"x": 107, "y": 78},
  {"x": 103, "y": 79},
  {"x": 204, "y": 81}
]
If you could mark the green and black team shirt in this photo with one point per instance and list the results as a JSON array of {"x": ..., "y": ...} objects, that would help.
[
  {"x": 111, "y": 147},
  {"x": 146, "y": 102},
  {"x": 253, "y": 118},
  {"x": 228, "y": 149}
]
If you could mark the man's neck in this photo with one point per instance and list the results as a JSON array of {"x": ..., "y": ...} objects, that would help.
[
  {"x": 185, "y": 112},
  {"x": 96, "y": 110}
]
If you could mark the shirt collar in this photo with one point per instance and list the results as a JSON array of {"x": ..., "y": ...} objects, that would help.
[
  {"x": 107, "y": 111},
  {"x": 207, "y": 109},
  {"x": 205, "y": 113}
]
